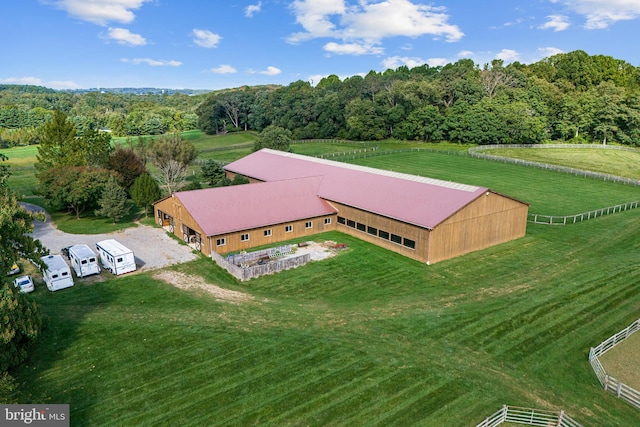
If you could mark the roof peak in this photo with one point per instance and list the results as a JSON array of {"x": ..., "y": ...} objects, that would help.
[{"x": 382, "y": 172}]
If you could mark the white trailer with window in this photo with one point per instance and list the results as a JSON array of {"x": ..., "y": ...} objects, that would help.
[
  {"x": 57, "y": 274},
  {"x": 116, "y": 257},
  {"x": 83, "y": 260}
]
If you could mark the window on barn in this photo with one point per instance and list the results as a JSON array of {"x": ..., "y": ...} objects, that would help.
[
  {"x": 327, "y": 221},
  {"x": 396, "y": 239},
  {"x": 383, "y": 235},
  {"x": 351, "y": 223},
  {"x": 221, "y": 242},
  {"x": 267, "y": 233},
  {"x": 288, "y": 228},
  {"x": 409, "y": 243},
  {"x": 360, "y": 226},
  {"x": 341, "y": 220},
  {"x": 308, "y": 224},
  {"x": 372, "y": 230},
  {"x": 244, "y": 237},
  {"x": 84, "y": 261}
]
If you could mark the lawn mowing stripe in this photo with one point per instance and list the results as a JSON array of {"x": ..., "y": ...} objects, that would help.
[
  {"x": 569, "y": 315},
  {"x": 547, "y": 336},
  {"x": 326, "y": 412},
  {"x": 242, "y": 379},
  {"x": 213, "y": 413},
  {"x": 325, "y": 394},
  {"x": 386, "y": 403},
  {"x": 490, "y": 333},
  {"x": 281, "y": 393},
  {"x": 178, "y": 376}
]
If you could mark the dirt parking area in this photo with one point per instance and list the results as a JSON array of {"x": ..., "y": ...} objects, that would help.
[{"x": 152, "y": 247}]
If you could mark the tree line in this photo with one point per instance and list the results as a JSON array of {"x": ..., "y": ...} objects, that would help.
[{"x": 569, "y": 96}]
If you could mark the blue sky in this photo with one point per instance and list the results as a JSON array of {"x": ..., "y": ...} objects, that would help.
[{"x": 216, "y": 44}]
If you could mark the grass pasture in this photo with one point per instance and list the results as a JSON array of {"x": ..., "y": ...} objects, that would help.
[
  {"x": 627, "y": 163},
  {"x": 365, "y": 338}
]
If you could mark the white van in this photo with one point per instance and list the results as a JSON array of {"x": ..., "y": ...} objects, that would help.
[
  {"x": 116, "y": 257},
  {"x": 83, "y": 260},
  {"x": 57, "y": 274}
]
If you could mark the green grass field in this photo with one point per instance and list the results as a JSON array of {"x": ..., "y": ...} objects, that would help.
[{"x": 366, "y": 338}]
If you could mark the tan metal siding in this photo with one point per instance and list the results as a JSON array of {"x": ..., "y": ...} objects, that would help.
[
  {"x": 418, "y": 234},
  {"x": 487, "y": 221},
  {"x": 278, "y": 234}
]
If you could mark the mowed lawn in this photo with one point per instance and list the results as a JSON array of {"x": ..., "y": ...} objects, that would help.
[
  {"x": 621, "y": 362},
  {"x": 366, "y": 338}
]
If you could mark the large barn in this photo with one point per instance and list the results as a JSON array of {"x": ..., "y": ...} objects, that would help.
[{"x": 293, "y": 196}]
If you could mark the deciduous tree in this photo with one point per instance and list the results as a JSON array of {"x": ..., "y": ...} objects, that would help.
[{"x": 172, "y": 155}]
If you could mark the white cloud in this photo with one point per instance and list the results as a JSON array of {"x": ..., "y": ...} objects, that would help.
[
  {"x": 437, "y": 62},
  {"x": 465, "y": 54},
  {"x": 125, "y": 37},
  {"x": 152, "y": 62},
  {"x": 252, "y": 8},
  {"x": 101, "y": 12},
  {"x": 224, "y": 69},
  {"x": 34, "y": 81},
  {"x": 602, "y": 13},
  {"x": 270, "y": 71},
  {"x": 205, "y": 38},
  {"x": 556, "y": 23},
  {"x": 368, "y": 22},
  {"x": 508, "y": 55},
  {"x": 546, "y": 52},
  {"x": 394, "y": 62},
  {"x": 353, "y": 49}
]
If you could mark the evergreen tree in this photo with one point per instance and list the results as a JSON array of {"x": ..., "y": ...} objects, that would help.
[
  {"x": 113, "y": 203},
  {"x": 213, "y": 172},
  {"x": 145, "y": 191},
  {"x": 21, "y": 320}
]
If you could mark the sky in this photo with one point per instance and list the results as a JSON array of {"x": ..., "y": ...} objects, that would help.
[{"x": 218, "y": 44}]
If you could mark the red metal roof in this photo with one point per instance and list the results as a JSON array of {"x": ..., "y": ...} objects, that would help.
[
  {"x": 416, "y": 200},
  {"x": 243, "y": 207}
]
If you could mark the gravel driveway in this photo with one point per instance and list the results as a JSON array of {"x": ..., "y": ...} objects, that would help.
[{"x": 152, "y": 247}]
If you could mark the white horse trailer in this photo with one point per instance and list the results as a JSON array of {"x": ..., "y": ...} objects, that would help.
[
  {"x": 116, "y": 257},
  {"x": 83, "y": 260},
  {"x": 57, "y": 274}
]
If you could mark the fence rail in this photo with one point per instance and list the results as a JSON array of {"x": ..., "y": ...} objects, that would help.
[
  {"x": 528, "y": 416},
  {"x": 609, "y": 383},
  {"x": 478, "y": 152},
  {"x": 585, "y": 216}
]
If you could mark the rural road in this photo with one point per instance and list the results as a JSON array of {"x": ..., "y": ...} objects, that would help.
[{"x": 152, "y": 247}]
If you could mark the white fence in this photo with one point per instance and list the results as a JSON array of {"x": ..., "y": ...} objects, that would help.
[
  {"x": 610, "y": 384},
  {"x": 585, "y": 216},
  {"x": 533, "y": 417},
  {"x": 478, "y": 152}
]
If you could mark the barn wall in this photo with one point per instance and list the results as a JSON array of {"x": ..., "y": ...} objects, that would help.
[
  {"x": 233, "y": 241},
  {"x": 174, "y": 208},
  {"x": 419, "y": 235},
  {"x": 489, "y": 220}
]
